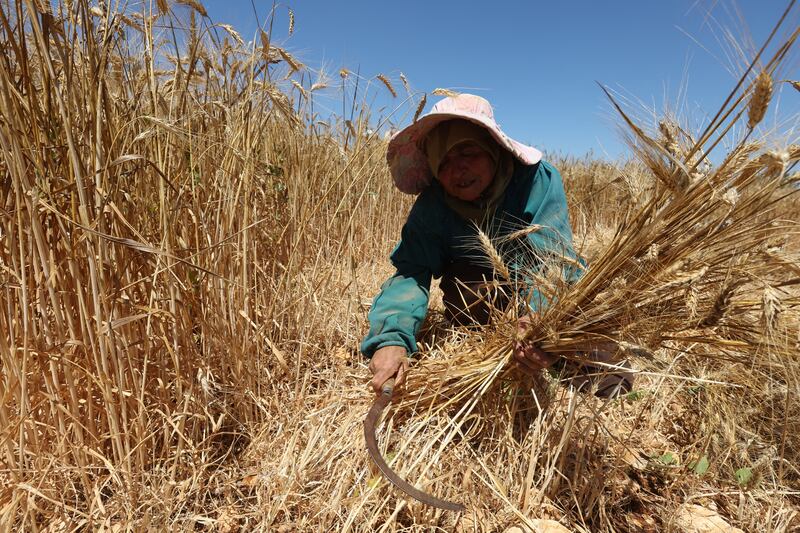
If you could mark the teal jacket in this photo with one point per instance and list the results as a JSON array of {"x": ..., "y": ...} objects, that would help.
[{"x": 435, "y": 235}]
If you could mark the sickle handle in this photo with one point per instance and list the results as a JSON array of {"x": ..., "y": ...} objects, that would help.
[{"x": 388, "y": 388}]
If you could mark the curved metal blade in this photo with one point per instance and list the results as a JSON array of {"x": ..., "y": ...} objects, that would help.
[{"x": 372, "y": 445}]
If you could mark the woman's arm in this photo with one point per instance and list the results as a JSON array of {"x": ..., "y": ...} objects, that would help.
[
  {"x": 397, "y": 312},
  {"x": 399, "y": 309}
]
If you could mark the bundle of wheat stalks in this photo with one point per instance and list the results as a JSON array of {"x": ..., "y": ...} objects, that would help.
[{"x": 703, "y": 260}]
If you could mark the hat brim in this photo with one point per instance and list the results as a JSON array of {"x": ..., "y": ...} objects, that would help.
[{"x": 408, "y": 163}]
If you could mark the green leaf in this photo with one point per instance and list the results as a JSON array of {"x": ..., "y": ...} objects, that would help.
[
  {"x": 667, "y": 458},
  {"x": 634, "y": 395},
  {"x": 373, "y": 482},
  {"x": 744, "y": 476},
  {"x": 701, "y": 466}
]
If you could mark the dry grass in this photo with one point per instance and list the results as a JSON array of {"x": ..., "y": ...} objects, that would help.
[{"x": 187, "y": 253}]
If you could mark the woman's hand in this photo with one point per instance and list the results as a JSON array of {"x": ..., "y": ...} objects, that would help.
[
  {"x": 529, "y": 357},
  {"x": 387, "y": 362}
]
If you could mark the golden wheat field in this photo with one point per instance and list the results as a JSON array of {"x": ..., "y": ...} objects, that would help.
[{"x": 188, "y": 253}]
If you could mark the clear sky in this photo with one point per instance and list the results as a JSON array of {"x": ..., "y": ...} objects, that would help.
[{"x": 538, "y": 62}]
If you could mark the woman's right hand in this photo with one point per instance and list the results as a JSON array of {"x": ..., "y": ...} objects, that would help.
[{"x": 387, "y": 362}]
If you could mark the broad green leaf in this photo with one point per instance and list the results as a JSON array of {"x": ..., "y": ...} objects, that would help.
[
  {"x": 744, "y": 476},
  {"x": 701, "y": 466},
  {"x": 667, "y": 458}
]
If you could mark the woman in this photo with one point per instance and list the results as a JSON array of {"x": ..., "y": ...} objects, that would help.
[{"x": 466, "y": 172}]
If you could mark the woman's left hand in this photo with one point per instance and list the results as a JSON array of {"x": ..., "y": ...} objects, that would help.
[{"x": 529, "y": 357}]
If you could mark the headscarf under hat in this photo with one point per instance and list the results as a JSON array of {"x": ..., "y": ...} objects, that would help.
[
  {"x": 447, "y": 135},
  {"x": 451, "y": 133}
]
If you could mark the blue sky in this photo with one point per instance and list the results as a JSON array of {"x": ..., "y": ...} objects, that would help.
[{"x": 538, "y": 62}]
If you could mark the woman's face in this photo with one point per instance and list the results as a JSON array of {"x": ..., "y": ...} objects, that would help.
[{"x": 466, "y": 171}]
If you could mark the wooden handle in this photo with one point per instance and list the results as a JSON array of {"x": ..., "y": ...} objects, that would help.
[{"x": 388, "y": 387}]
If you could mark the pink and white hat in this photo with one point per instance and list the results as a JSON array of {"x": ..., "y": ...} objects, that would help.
[{"x": 407, "y": 160}]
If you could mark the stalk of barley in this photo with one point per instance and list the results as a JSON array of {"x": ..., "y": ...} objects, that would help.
[
  {"x": 130, "y": 23},
  {"x": 163, "y": 7},
  {"x": 196, "y": 5},
  {"x": 406, "y": 85},
  {"x": 762, "y": 93},
  {"x": 521, "y": 233},
  {"x": 350, "y": 128},
  {"x": 719, "y": 307},
  {"x": 232, "y": 32},
  {"x": 388, "y": 84},
  {"x": 264, "y": 44},
  {"x": 420, "y": 107},
  {"x": 444, "y": 92},
  {"x": 670, "y": 141},
  {"x": 771, "y": 308},
  {"x": 692, "y": 300},
  {"x": 299, "y": 88},
  {"x": 294, "y": 65},
  {"x": 494, "y": 256}
]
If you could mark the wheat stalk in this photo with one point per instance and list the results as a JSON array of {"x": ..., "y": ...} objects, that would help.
[
  {"x": 445, "y": 92},
  {"x": 406, "y": 85},
  {"x": 294, "y": 65},
  {"x": 232, "y": 32},
  {"x": 495, "y": 259},
  {"x": 771, "y": 308},
  {"x": 300, "y": 88},
  {"x": 420, "y": 107},
  {"x": 163, "y": 7},
  {"x": 195, "y": 5},
  {"x": 670, "y": 142},
  {"x": 762, "y": 94},
  {"x": 521, "y": 233},
  {"x": 387, "y": 84}
]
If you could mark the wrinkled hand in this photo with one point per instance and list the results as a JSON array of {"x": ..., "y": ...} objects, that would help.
[
  {"x": 387, "y": 362},
  {"x": 529, "y": 357}
]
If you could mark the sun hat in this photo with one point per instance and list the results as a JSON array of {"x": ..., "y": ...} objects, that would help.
[{"x": 407, "y": 160}]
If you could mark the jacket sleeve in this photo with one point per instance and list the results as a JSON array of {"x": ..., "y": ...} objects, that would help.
[
  {"x": 546, "y": 206},
  {"x": 400, "y": 307}
]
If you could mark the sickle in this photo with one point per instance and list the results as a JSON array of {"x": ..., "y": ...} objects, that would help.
[{"x": 372, "y": 445}]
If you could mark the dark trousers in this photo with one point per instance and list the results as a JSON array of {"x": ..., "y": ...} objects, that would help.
[{"x": 469, "y": 295}]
